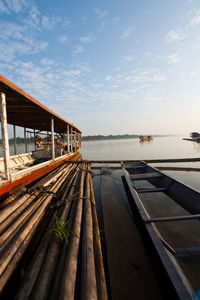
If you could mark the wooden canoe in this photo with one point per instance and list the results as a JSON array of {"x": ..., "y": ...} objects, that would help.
[{"x": 135, "y": 175}]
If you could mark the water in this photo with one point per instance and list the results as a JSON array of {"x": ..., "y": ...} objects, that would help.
[
  {"x": 177, "y": 234},
  {"x": 20, "y": 149},
  {"x": 159, "y": 148}
]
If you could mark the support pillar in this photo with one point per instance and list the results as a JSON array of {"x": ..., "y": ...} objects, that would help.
[
  {"x": 52, "y": 140},
  {"x": 71, "y": 140},
  {"x": 14, "y": 137},
  {"x": 68, "y": 148},
  {"x": 25, "y": 140},
  {"x": 4, "y": 130},
  {"x": 34, "y": 139}
]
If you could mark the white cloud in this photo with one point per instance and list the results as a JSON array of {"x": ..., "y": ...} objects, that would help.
[
  {"x": 127, "y": 32},
  {"x": 87, "y": 39},
  {"x": 108, "y": 78},
  {"x": 46, "y": 61},
  {"x": 174, "y": 36},
  {"x": 3, "y": 8},
  {"x": 196, "y": 19},
  {"x": 63, "y": 39},
  {"x": 16, "y": 6},
  {"x": 129, "y": 57},
  {"x": 148, "y": 53},
  {"x": 115, "y": 20},
  {"x": 78, "y": 49},
  {"x": 174, "y": 58},
  {"x": 49, "y": 22},
  {"x": 194, "y": 74},
  {"x": 101, "y": 13}
]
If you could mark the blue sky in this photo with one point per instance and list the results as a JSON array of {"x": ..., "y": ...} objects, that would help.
[{"x": 109, "y": 67}]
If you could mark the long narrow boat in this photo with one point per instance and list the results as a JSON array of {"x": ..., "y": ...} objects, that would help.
[
  {"x": 63, "y": 139},
  {"x": 145, "y": 138},
  {"x": 169, "y": 212}
]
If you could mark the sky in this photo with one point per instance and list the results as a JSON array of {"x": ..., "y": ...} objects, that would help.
[{"x": 109, "y": 67}]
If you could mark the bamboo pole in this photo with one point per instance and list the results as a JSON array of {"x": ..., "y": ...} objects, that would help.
[
  {"x": 10, "y": 257},
  {"x": 70, "y": 267},
  {"x": 41, "y": 290},
  {"x": 99, "y": 267},
  {"x": 37, "y": 272},
  {"x": 19, "y": 222},
  {"x": 5, "y": 212},
  {"x": 10, "y": 208},
  {"x": 4, "y": 131},
  {"x": 88, "y": 276},
  {"x": 16, "y": 213}
]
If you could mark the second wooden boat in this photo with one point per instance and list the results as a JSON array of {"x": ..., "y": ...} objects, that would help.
[{"x": 172, "y": 228}]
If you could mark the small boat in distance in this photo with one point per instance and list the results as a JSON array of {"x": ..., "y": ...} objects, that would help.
[
  {"x": 56, "y": 140},
  {"x": 145, "y": 138}
]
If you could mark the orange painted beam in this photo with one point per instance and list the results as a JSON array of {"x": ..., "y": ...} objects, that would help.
[{"x": 10, "y": 187}]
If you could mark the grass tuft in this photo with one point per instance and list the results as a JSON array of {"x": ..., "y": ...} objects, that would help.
[{"x": 61, "y": 233}]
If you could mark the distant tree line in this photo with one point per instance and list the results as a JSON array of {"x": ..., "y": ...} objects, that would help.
[
  {"x": 20, "y": 140},
  {"x": 109, "y": 137}
]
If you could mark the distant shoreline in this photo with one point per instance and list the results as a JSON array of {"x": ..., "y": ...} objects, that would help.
[{"x": 114, "y": 137}]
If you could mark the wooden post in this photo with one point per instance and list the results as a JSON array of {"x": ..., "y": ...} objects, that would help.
[
  {"x": 71, "y": 140},
  {"x": 68, "y": 149},
  {"x": 52, "y": 140},
  {"x": 34, "y": 140},
  {"x": 4, "y": 130},
  {"x": 14, "y": 136},
  {"x": 26, "y": 146}
]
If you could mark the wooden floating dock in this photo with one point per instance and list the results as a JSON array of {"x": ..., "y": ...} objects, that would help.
[
  {"x": 106, "y": 261},
  {"x": 33, "y": 264}
]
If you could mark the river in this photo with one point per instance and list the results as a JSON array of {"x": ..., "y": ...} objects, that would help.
[{"x": 158, "y": 148}]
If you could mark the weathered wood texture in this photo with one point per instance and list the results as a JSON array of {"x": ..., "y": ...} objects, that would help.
[
  {"x": 56, "y": 269},
  {"x": 168, "y": 160}
]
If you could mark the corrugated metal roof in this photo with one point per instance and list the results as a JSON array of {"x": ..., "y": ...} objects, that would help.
[{"x": 25, "y": 111}]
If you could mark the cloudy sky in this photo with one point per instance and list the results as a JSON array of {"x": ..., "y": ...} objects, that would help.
[{"x": 110, "y": 67}]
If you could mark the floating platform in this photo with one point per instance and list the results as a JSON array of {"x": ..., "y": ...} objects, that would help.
[{"x": 75, "y": 234}]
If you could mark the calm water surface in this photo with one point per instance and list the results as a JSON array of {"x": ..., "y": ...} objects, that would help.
[
  {"x": 160, "y": 147},
  {"x": 177, "y": 234}
]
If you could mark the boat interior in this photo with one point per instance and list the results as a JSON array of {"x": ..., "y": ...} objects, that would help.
[{"x": 50, "y": 137}]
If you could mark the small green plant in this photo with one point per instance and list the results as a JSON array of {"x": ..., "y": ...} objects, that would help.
[{"x": 61, "y": 232}]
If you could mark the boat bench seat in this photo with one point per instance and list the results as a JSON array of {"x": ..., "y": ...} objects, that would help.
[
  {"x": 145, "y": 176},
  {"x": 151, "y": 190}
]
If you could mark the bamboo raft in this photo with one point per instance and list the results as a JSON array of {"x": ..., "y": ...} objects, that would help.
[{"x": 33, "y": 264}]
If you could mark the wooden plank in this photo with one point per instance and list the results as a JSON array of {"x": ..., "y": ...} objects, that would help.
[
  {"x": 4, "y": 132},
  {"x": 151, "y": 190},
  {"x": 145, "y": 176},
  {"x": 178, "y": 169},
  {"x": 187, "y": 252},
  {"x": 170, "y": 160},
  {"x": 170, "y": 219}
]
